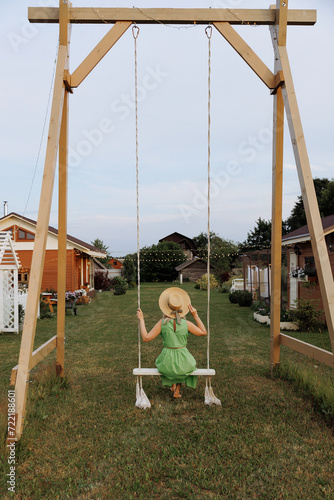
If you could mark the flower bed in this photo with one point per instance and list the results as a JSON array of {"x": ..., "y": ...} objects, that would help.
[{"x": 284, "y": 325}]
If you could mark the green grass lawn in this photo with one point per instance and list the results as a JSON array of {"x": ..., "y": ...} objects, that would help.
[{"x": 87, "y": 440}]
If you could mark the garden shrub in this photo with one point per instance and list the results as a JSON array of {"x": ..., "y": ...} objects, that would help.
[
  {"x": 233, "y": 297},
  {"x": 258, "y": 304},
  {"x": 308, "y": 317},
  {"x": 286, "y": 315},
  {"x": 132, "y": 285},
  {"x": 203, "y": 282},
  {"x": 197, "y": 286},
  {"x": 21, "y": 313},
  {"x": 263, "y": 311},
  {"x": 245, "y": 298},
  {"x": 101, "y": 281},
  {"x": 119, "y": 285},
  {"x": 223, "y": 289},
  {"x": 44, "y": 310}
]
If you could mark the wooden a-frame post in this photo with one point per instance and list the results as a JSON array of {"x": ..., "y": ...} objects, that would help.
[
  {"x": 64, "y": 39},
  {"x": 57, "y": 122},
  {"x": 279, "y": 82},
  {"x": 310, "y": 202},
  {"x": 278, "y": 31}
]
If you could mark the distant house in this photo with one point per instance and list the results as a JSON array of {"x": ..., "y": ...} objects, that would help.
[
  {"x": 301, "y": 263},
  {"x": 187, "y": 244},
  {"x": 116, "y": 268},
  {"x": 79, "y": 261},
  {"x": 192, "y": 269}
]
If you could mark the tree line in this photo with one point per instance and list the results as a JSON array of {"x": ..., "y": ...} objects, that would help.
[{"x": 158, "y": 261}]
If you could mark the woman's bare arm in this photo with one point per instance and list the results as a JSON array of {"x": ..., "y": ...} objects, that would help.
[
  {"x": 152, "y": 334},
  {"x": 198, "y": 330}
]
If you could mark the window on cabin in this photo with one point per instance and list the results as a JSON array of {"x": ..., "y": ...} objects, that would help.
[
  {"x": 330, "y": 242},
  {"x": 115, "y": 263},
  {"x": 25, "y": 235},
  {"x": 23, "y": 277},
  {"x": 310, "y": 266}
]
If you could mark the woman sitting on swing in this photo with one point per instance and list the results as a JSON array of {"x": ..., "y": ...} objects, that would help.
[{"x": 175, "y": 363}]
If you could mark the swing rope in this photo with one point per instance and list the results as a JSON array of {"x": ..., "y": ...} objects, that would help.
[
  {"x": 209, "y": 397},
  {"x": 135, "y": 33},
  {"x": 142, "y": 400},
  {"x": 208, "y": 32}
]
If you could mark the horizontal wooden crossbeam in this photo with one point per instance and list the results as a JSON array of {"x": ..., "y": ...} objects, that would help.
[
  {"x": 37, "y": 356},
  {"x": 91, "y": 15},
  {"x": 154, "y": 371},
  {"x": 310, "y": 350}
]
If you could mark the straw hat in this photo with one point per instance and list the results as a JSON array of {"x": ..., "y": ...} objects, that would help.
[{"x": 174, "y": 303}]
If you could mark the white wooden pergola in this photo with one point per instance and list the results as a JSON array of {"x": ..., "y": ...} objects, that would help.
[
  {"x": 279, "y": 82},
  {"x": 9, "y": 266}
]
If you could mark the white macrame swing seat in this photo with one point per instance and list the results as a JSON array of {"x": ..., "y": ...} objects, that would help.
[
  {"x": 142, "y": 400},
  {"x": 209, "y": 396}
]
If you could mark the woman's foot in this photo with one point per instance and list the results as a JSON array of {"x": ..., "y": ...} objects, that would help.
[
  {"x": 173, "y": 387},
  {"x": 177, "y": 391}
]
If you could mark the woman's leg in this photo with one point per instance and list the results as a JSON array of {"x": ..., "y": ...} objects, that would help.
[{"x": 177, "y": 391}]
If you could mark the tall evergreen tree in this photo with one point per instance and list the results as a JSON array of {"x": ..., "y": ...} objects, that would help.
[
  {"x": 97, "y": 243},
  {"x": 222, "y": 252},
  {"x": 324, "y": 190},
  {"x": 259, "y": 237}
]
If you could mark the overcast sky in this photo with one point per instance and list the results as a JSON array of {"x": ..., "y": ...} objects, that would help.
[{"x": 172, "y": 74}]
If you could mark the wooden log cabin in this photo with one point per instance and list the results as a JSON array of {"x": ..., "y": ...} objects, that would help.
[
  {"x": 301, "y": 263},
  {"x": 79, "y": 261}
]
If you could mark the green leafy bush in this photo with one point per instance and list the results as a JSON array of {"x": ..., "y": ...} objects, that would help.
[
  {"x": 233, "y": 297},
  {"x": 119, "y": 285},
  {"x": 308, "y": 316},
  {"x": 286, "y": 315},
  {"x": 132, "y": 285},
  {"x": 21, "y": 313},
  {"x": 263, "y": 311},
  {"x": 245, "y": 298},
  {"x": 203, "y": 282},
  {"x": 44, "y": 310}
]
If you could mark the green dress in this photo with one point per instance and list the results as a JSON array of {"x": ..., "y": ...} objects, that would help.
[{"x": 175, "y": 365}]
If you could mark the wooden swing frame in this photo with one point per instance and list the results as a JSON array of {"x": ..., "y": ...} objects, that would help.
[{"x": 280, "y": 83}]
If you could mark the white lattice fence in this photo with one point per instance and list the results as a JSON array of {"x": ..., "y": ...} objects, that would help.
[
  {"x": 9, "y": 265},
  {"x": 9, "y": 321}
]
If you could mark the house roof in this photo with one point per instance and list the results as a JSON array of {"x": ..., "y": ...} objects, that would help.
[
  {"x": 302, "y": 233},
  {"x": 99, "y": 264},
  {"x": 179, "y": 238},
  {"x": 188, "y": 263},
  {"x": 82, "y": 245}
]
